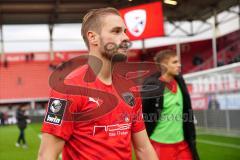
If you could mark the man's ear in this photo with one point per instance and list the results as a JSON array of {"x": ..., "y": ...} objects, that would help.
[
  {"x": 163, "y": 68},
  {"x": 92, "y": 38}
]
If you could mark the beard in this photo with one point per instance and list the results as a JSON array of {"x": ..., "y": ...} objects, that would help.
[{"x": 111, "y": 51}]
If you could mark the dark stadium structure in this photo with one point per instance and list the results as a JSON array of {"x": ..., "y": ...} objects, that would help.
[{"x": 72, "y": 11}]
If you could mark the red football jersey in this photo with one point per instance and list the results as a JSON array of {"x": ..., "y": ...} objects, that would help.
[{"x": 106, "y": 136}]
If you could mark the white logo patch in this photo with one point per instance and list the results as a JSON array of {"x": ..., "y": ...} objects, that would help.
[
  {"x": 56, "y": 106},
  {"x": 136, "y": 21},
  {"x": 55, "y": 111},
  {"x": 90, "y": 99}
]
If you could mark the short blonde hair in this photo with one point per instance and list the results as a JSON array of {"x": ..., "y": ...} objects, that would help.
[
  {"x": 164, "y": 55},
  {"x": 92, "y": 21}
]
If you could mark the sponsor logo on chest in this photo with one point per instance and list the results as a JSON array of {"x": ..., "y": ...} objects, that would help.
[{"x": 112, "y": 130}]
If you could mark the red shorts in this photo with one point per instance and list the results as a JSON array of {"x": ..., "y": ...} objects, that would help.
[{"x": 176, "y": 151}]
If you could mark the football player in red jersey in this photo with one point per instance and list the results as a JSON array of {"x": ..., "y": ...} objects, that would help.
[{"x": 107, "y": 136}]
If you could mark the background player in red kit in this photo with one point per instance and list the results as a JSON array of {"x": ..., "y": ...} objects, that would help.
[{"x": 108, "y": 136}]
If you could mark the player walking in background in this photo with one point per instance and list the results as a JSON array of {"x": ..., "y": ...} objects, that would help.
[
  {"x": 22, "y": 124},
  {"x": 169, "y": 120},
  {"x": 108, "y": 136}
]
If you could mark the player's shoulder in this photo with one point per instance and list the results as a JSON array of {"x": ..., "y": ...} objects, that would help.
[
  {"x": 152, "y": 79},
  {"x": 76, "y": 76}
]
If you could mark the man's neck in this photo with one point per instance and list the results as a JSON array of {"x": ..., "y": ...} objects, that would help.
[
  {"x": 105, "y": 73},
  {"x": 167, "y": 77}
]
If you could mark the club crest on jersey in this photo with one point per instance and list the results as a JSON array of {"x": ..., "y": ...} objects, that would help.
[
  {"x": 129, "y": 98},
  {"x": 136, "y": 21},
  {"x": 126, "y": 118},
  {"x": 55, "y": 111}
]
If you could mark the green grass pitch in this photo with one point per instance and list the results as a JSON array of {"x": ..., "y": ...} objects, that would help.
[{"x": 210, "y": 147}]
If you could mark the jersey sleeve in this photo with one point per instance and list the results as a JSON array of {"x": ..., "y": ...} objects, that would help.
[
  {"x": 138, "y": 123},
  {"x": 58, "y": 120}
]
